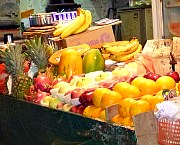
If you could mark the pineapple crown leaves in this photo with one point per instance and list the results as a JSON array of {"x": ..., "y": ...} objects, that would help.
[
  {"x": 38, "y": 51},
  {"x": 14, "y": 60}
]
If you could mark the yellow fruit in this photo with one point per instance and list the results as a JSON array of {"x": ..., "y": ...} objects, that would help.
[
  {"x": 121, "y": 72},
  {"x": 117, "y": 119},
  {"x": 138, "y": 81},
  {"x": 149, "y": 87},
  {"x": 110, "y": 98},
  {"x": 88, "y": 111},
  {"x": 77, "y": 22},
  {"x": 166, "y": 82},
  {"x": 148, "y": 98},
  {"x": 124, "y": 87},
  {"x": 138, "y": 107},
  {"x": 124, "y": 107},
  {"x": 59, "y": 30},
  {"x": 156, "y": 99},
  {"x": 96, "y": 113},
  {"x": 102, "y": 115},
  {"x": 97, "y": 95},
  {"x": 127, "y": 121},
  {"x": 86, "y": 24}
]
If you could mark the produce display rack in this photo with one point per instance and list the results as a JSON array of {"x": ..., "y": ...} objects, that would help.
[{"x": 25, "y": 123}]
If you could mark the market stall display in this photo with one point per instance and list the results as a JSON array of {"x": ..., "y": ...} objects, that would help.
[{"x": 106, "y": 85}]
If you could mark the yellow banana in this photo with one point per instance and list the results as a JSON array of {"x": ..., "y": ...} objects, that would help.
[
  {"x": 124, "y": 48},
  {"x": 87, "y": 22},
  {"x": 59, "y": 26},
  {"x": 77, "y": 22},
  {"x": 122, "y": 58},
  {"x": 59, "y": 31},
  {"x": 115, "y": 43}
]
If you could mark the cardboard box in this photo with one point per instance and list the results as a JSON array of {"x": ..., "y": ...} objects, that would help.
[{"x": 93, "y": 36}]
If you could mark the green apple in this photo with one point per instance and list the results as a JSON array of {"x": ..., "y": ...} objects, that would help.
[
  {"x": 103, "y": 76},
  {"x": 84, "y": 81},
  {"x": 54, "y": 102},
  {"x": 67, "y": 107},
  {"x": 65, "y": 88},
  {"x": 59, "y": 84},
  {"x": 45, "y": 101}
]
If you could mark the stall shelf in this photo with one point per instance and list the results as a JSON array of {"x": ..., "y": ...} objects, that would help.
[{"x": 25, "y": 123}]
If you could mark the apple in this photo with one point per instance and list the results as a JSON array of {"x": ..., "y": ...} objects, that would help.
[
  {"x": 54, "y": 102},
  {"x": 84, "y": 81},
  {"x": 80, "y": 109},
  {"x": 74, "y": 108},
  {"x": 154, "y": 77},
  {"x": 45, "y": 101},
  {"x": 76, "y": 93},
  {"x": 148, "y": 75},
  {"x": 60, "y": 105},
  {"x": 67, "y": 107},
  {"x": 86, "y": 98},
  {"x": 103, "y": 76},
  {"x": 174, "y": 75}
]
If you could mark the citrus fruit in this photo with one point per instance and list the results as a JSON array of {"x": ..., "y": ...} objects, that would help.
[
  {"x": 124, "y": 107},
  {"x": 138, "y": 107},
  {"x": 127, "y": 121},
  {"x": 149, "y": 87},
  {"x": 156, "y": 99},
  {"x": 110, "y": 98},
  {"x": 88, "y": 110},
  {"x": 96, "y": 113},
  {"x": 166, "y": 82},
  {"x": 97, "y": 95},
  {"x": 102, "y": 115},
  {"x": 117, "y": 119},
  {"x": 126, "y": 90},
  {"x": 138, "y": 81}
]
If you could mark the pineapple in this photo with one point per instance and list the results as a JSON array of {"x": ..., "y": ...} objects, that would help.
[
  {"x": 14, "y": 61},
  {"x": 39, "y": 52}
]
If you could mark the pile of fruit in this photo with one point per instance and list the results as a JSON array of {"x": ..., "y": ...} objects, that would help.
[
  {"x": 74, "y": 79},
  {"x": 80, "y": 24}
]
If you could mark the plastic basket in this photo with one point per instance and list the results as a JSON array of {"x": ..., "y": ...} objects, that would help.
[{"x": 168, "y": 132}]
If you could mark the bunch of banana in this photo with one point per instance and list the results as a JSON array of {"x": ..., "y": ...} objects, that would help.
[
  {"x": 121, "y": 50},
  {"x": 80, "y": 24}
]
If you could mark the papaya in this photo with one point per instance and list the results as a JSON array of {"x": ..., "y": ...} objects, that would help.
[
  {"x": 93, "y": 61},
  {"x": 70, "y": 64},
  {"x": 81, "y": 49}
]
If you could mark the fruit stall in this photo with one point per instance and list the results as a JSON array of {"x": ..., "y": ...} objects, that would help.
[{"x": 101, "y": 92}]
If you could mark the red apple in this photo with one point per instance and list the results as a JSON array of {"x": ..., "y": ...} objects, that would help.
[
  {"x": 154, "y": 77},
  {"x": 86, "y": 98},
  {"x": 74, "y": 108},
  {"x": 76, "y": 93},
  {"x": 174, "y": 75},
  {"x": 148, "y": 75},
  {"x": 60, "y": 105},
  {"x": 80, "y": 109}
]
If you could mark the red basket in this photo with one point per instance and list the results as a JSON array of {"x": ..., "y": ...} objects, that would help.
[{"x": 168, "y": 132}]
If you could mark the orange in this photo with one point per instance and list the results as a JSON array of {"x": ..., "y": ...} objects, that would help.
[
  {"x": 127, "y": 121},
  {"x": 110, "y": 98},
  {"x": 166, "y": 82},
  {"x": 149, "y": 87},
  {"x": 96, "y": 113},
  {"x": 126, "y": 90},
  {"x": 97, "y": 95},
  {"x": 138, "y": 81},
  {"x": 102, "y": 115},
  {"x": 138, "y": 107},
  {"x": 88, "y": 110},
  {"x": 149, "y": 98},
  {"x": 117, "y": 119},
  {"x": 124, "y": 107},
  {"x": 156, "y": 99}
]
